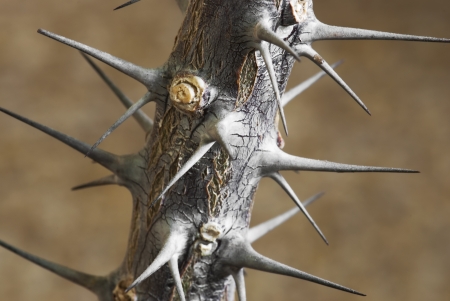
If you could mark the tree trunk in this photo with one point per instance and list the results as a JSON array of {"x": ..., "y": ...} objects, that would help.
[{"x": 214, "y": 137}]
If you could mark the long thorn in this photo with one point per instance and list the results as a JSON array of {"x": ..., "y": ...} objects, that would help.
[
  {"x": 278, "y": 160},
  {"x": 240, "y": 284},
  {"x": 147, "y": 77},
  {"x": 265, "y": 53},
  {"x": 109, "y": 180},
  {"x": 135, "y": 107},
  {"x": 262, "y": 229},
  {"x": 297, "y": 90},
  {"x": 93, "y": 283},
  {"x": 142, "y": 119},
  {"x": 286, "y": 187},
  {"x": 173, "y": 244},
  {"x": 307, "y": 51},
  {"x": 327, "y": 32},
  {"x": 202, "y": 149},
  {"x": 173, "y": 265},
  {"x": 264, "y": 33},
  {"x": 241, "y": 254},
  {"x": 106, "y": 159}
]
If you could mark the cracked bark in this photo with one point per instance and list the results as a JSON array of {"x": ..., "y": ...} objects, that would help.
[
  {"x": 216, "y": 189},
  {"x": 220, "y": 187}
]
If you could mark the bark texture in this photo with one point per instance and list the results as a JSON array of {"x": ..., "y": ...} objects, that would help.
[
  {"x": 207, "y": 211},
  {"x": 213, "y": 43}
]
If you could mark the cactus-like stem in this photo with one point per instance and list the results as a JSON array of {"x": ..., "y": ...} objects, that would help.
[{"x": 213, "y": 138}]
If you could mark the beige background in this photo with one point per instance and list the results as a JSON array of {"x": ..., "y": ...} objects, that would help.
[{"x": 389, "y": 234}]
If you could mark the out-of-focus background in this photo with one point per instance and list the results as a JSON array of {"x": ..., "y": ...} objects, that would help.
[{"x": 388, "y": 233}]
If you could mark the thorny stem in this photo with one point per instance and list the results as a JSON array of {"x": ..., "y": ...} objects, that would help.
[{"x": 213, "y": 138}]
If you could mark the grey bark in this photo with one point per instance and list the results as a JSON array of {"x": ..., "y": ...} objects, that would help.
[{"x": 194, "y": 181}]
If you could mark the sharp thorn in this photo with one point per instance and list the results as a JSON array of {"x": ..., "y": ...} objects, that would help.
[
  {"x": 262, "y": 229},
  {"x": 106, "y": 159},
  {"x": 307, "y": 51},
  {"x": 109, "y": 180},
  {"x": 265, "y": 53},
  {"x": 172, "y": 246},
  {"x": 297, "y": 90},
  {"x": 93, "y": 283},
  {"x": 218, "y": 130},
  {"x": 264, "y": 33},
  {"x": 126, "y": 4},
  {"x": 241, "y": 254},
  {"x": 173, "y": 265},
  {"x": 283, "y": 117},
  {"x": 143, "y": 120},
  {"x": 240, "y": 284},
  {"x": 327, "y": 32},
  {"x": 220, "y": 127},
  {"x": 135, "y": 107},
  {"x": 277, "y": 160},
  {"x": 202, "y": 149},
  {"x": 147, "y": 77},
  {"x": 287, "y": 188}
]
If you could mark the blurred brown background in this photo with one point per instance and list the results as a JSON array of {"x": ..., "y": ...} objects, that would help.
[{"x": 388, "y": 233}]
